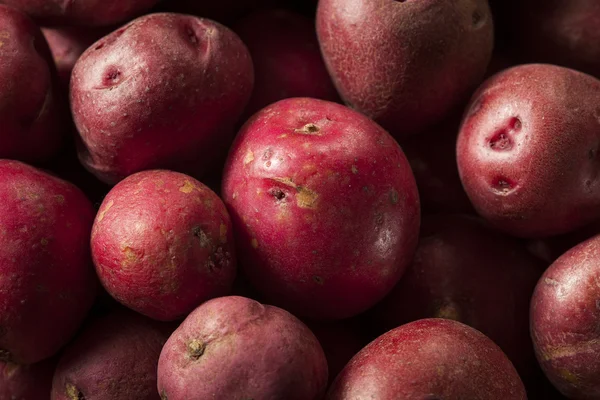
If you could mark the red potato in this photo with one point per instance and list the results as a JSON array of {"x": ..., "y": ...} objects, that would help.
[
  {"x": 406, "y": 64},
  {"x": 26, "y": 382},
  {"x": 31, "y": 112},
  {"x": 565, "y": 314},
  {"x": 81, "y": 12},
  {"x": 236, "y": 348},
  {"x": 429, "y": 359},
  {"x": 454, "y": 277},
  {"x": 286, "y": 56},
  {"x": 162, "y": 244},
  {"x": 48, "y": 282},
  {"x": 114, "y": 358},
  {"x": 324, "y": 206},
  {"x": 531, "y": 130},
  {"x": 165, "y": 91}
]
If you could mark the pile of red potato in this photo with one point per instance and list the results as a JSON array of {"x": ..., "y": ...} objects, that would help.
[{"x": 299, "y": 200}]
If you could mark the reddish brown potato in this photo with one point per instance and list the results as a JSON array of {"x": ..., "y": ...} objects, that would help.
[
  {"x": 286, "y": 56},
  {"x": 453, "y": 276},
  {"x": 31, "y": 112},
  {"x": 528, "y": 150},
  {"x": 81, "y": 12},
  {"x": 165, "y": 91},
  {"x": 162, "y": 244},
  {"x": 48, "y": 282},
  {"x": 406, "y": 64},
  {"x": 324, "y": 206},
  {"x": 429, "y": 359},
  {"x": 565, "y": 314},
  {"x": 236, "y": 348},
  {"x": 26, "y": 382}
]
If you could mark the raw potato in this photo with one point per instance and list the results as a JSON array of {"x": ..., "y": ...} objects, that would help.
[
  {"x": 129, "y": 89},
  {"x": 429, "y": 359},
  {"x": 565, "y": 318},
  {"x": 48, "y": 282},
  {"x": 324, "y": 206},
  {"x": 467, "y": 272},
  {"x": 236, "y": 348},
  {"x": 406, "y": 64},
  {"x": 26, "y": 382},
  {"x": 81, "y": 12},
  {"x": 162, "y": 244},
  {"x": 286, "y": 56},
  {"x": 528, "y": 150},
  {"x": 114, "y": 358},
  {"x": 31, "y": 113}
]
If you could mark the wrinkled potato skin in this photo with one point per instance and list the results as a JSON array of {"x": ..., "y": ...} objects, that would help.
[
  {"x": 324, "y": 207},
  {"x": 236, "y": 348},
  {"x": 26, "y": 382},
  {"x": 49, "y": 282},
  {"x": 564, "y": 321},
  {"x": 406, "y": 64},
  {"x": 162, "y": 243},
  {"x": 129, "y": 89},
  {"x": 429, "y": 359},
  {"x": 528, "y": 150},
  {"x": 31, "y": 112}
]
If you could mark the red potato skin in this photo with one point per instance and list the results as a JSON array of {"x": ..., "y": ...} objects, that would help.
[
  {"x": 324, "y": 206},
  {"x": 114, "y": 358},
  {"x": 26, "y": 382},
  {"x": 286, "y": 56},
  {"x": 162, "y": 243},
  {"x": 129, "y": 88},
  {"x": 49, "y": 283},
  {"x": 529, "y": 131},
  {"x": 429, "y": 359},
  {"x": 454, "y": 277},
  {"x": 81, "y": 12},
  {"x": 31, "y": 112},
  {"x": 236, "y": 348},
  {"x": 406, "y": 64},
  {"x": 564, "y": 321}
]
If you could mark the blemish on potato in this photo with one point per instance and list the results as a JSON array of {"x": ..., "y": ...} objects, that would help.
[
  {"x": 196, "y": 349},
  {"x": 309, "y": 129},
  {"x": 551, "y": 282},
  {"x": 306, "y": 198},
  {"x": 249, "y": 157},
  {"x": 130, "y": 257},
  {"x": 187, "y": 187},
  {"x": 354, "y": 169},
  {"x": 318, "y": 280},
  {"x": 44, "y": 242},
  {"x": 394, "y": 197},
  {"x": 255, "y": 243},
  {"x": 104, "y": 210},
  {"x": 568, "y": 376},
  {"x": 205, "y": 241},
  {"x": 73, "y": 393},
  {"x": 60, "y": 199}
]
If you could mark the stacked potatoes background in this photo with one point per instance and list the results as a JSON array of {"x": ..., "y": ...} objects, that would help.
[{"x": 269, "y": 199}]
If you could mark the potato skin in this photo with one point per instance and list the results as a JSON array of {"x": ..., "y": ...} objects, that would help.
[
  {"x": 406, "y": 64},
  {"x": 26, "y": 382},
  {"x": 286, "y": 56},
  {"x": 162, "y": 244},
  {"x": 236, "y": 348},
  {"x": 31, "y": 113},
  {"x": 429, "y": 359},
  {"x": 564, "y": 321},
  {"x": 49, "y": 283},
  {"x": 129, "y": 88},
  {"x": 324, "y": 206},
  {"x": 528, "y": 150},
  {"x": 114, "y": 358},
  {"x": 455, "y": 276},
  {"x": 81, "y": 12}
]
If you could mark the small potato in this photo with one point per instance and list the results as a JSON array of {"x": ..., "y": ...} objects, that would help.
[
  {"x": 565, "y": 315},
  {"x": 114, "y": 358},
  {"x": 162, "y": 244},
  {"x": 236, "y": 348},
  {"x": 528, "y": 150},
  {"x": 32, "y": 115},
  {"x": 164, "y": 91},
  {"x": 26, "y": 382},
  {"x": 48, "y": 283},
  {"x": 81, "y": 12},
  {"x": 429, "y": 359},
  {"x": 406, "y": 64}
]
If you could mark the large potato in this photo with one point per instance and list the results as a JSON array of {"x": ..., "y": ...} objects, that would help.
[
  {"x": 528, "y": 150},
  {"x": 324, "y": 207},
  {"x": 406, "y": 64},
  {"x": 165, "y": 91},
  {"x": 48, "y": 282}
]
